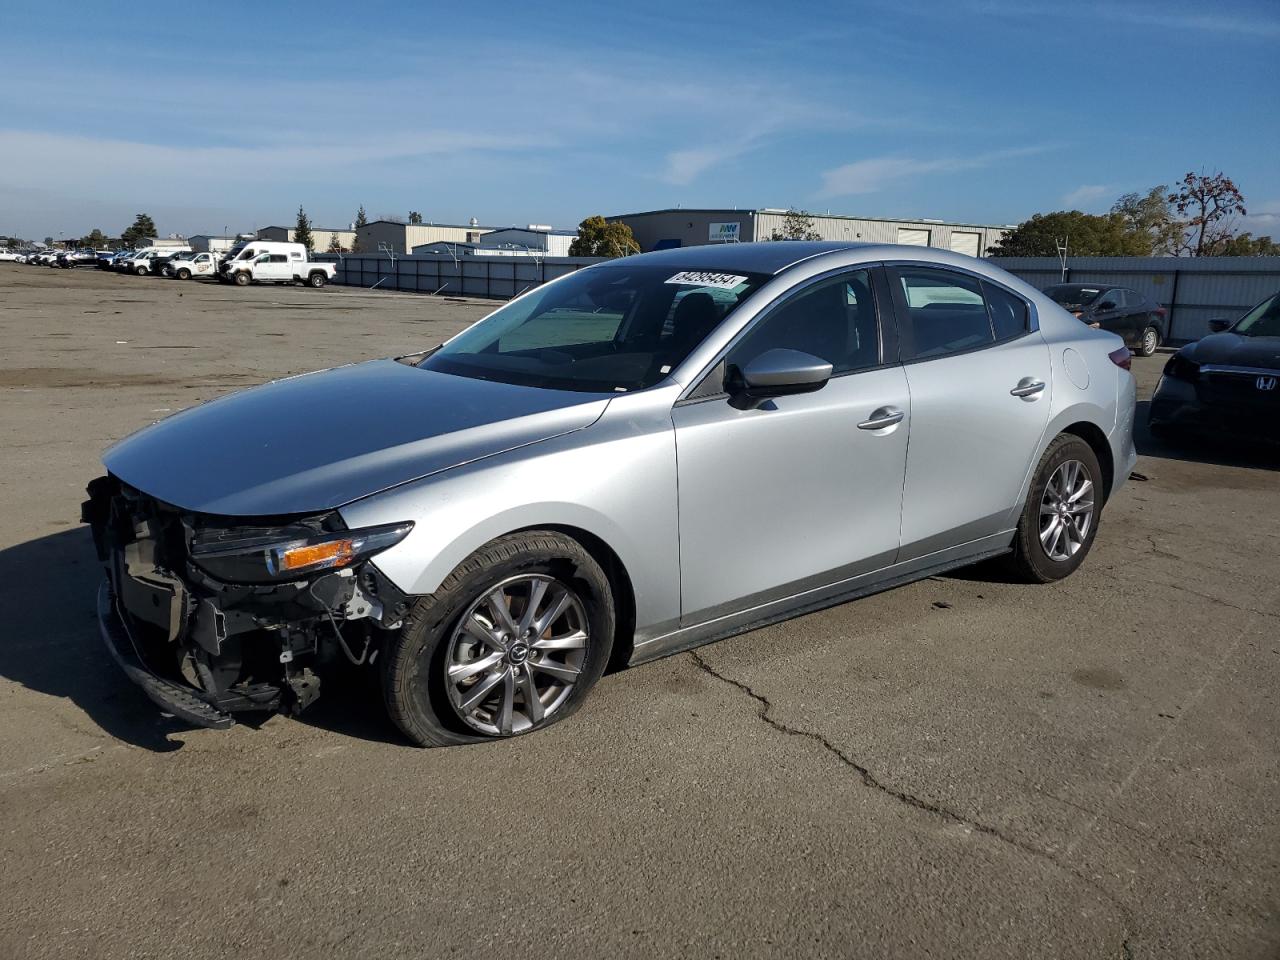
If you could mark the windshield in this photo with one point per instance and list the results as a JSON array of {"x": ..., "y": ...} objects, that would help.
[
  {"x": 613, "y": 328},
  {"x": 1262, "y": 321},
  {"x": 1073, "y": 294}
]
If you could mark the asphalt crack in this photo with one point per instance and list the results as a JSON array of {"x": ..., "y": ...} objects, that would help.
[{"x": 869, "y": 779}]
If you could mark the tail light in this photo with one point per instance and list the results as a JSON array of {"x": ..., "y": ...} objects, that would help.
[{"x": 1122, "y": 358}]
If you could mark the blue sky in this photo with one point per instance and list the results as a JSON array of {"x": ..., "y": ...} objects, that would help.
[{"x": 977, "y": 110}]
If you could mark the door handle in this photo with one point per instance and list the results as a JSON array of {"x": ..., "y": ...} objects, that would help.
[
  {"x": 1027, "y": 387},
  {"x": 881, "y": 418}
]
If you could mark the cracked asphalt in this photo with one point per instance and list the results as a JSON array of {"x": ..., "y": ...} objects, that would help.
[{"x": 958, "y": 768}]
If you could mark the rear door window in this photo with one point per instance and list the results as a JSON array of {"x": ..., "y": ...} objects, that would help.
[
  {"x": 946, "y": 312},
  {"x": 1010, "y": 316}
]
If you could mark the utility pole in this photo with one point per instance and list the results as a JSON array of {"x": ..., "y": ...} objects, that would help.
[{"x": 1062, "y": 255}]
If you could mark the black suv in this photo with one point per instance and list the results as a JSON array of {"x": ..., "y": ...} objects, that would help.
[{"x": 1120, "y": 310}]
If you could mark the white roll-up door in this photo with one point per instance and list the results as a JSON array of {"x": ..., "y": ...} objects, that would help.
[
  {"x": 915, "y": 238},
  {"x": 966, "y": 243}
]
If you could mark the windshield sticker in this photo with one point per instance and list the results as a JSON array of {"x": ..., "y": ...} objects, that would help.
[{"x": 721, "y": 281}]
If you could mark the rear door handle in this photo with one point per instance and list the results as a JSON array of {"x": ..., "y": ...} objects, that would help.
[
  {"x": 881, "y": 418},
  {"x": 1027, "y": 387}
]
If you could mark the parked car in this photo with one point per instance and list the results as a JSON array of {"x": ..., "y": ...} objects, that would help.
[
  {"x": 268, "y": 261},
  {"x": 1227, "y": 383},
  {"x": 642, "y": 456},
  {"x": 1141, "y": 322},
  {"x": 10, "y": 256},
  {"x": 188, "y": 265},
  {"x": 141, "y": 262},
  {"x": 160, "y": 261},
  {"x": 77, "y": 258}
]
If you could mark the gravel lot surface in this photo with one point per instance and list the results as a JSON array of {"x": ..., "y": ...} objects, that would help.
[{"x": 959, "y": 768}]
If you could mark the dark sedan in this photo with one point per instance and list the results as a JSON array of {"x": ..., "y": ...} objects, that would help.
[
  {"x": 77, "y": 258},
  {"x": 1225, "y": 383},
  {"x": 1118, "y": 309}
]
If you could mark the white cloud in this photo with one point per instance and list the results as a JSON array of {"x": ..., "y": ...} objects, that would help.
[
  {"x": 875, "y": 173},
  {"x": 1085, "y": 195},
  {"x": 1263, "y": 219}
]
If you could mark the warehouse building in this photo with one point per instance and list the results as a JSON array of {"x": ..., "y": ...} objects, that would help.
[
  {"x": 662, "y": 229},
  {"x": 209, "y": 243},
  {"x": 380, "y": 236},
  {"x": 535, "y": 240},
  {"x": 321, "y": 237}
]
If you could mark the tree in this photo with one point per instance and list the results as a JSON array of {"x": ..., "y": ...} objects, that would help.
[
  {"x": 1150, "y": 217},
  {"x": 143, "y": 226},
  {"x": 599, "y": 238},
  {"x": 361, "y": 221},
  {"x": 796, "y": 225},
  {"x": 1212, "y": 203},
  {"x": 1246, "y": 245},
  {"x": 1087, "y": 235},
  {"x": 335, "y": 244},
  {"x": 302, "y": 231},
  {"x": 415, "y": 216},
  {"x": 95, "y": 240}
]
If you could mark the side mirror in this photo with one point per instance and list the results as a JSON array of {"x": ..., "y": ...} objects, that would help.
[
  {"x": 1107, "y": 305},
  {"x": 778, "y": 373},
  {"x": 1218, "y": 324}
]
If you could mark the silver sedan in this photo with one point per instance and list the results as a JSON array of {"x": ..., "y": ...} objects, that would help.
[{"x": 640, "y": 457}]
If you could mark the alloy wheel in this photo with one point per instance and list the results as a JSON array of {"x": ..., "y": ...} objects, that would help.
[
  {"x": 1066, "y": 510},
  {"x": 516, "y": 654},
  {"x": 1150, "y": 340}
]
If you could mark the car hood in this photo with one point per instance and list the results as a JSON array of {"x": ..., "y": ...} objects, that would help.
[
  {"x": 1231, "y": 349},
  {"x": 315, "y": 442}
]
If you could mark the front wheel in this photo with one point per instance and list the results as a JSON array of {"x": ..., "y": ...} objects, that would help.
[
  {"x": 141, "y": 271},
  {"x": 1060, "y": 518},
  {"x": 511, "y": 642},
  {"x": 184, "y": 274},
  {"x": 1150, "y": 341},
  {"x": 243, "y": 278}
]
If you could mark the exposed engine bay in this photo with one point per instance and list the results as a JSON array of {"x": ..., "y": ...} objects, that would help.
[{"x": 215, "y": 615}]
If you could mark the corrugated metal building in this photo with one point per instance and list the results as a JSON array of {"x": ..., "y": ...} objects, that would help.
[
  {"x": 661, "y": 229},
  {"x": 321, "y": 237},
  {"x": 207, "y": 243},
  {"x": 381, "y": 235},
  {"x": 533, "y": 239}
]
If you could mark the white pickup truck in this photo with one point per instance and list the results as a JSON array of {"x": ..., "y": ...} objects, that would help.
[
  {"x": 268, "y": 261},
  {"x": 187, "y": 265}
]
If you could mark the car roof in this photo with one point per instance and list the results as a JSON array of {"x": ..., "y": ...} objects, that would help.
[{"x": 770, "y": 256}]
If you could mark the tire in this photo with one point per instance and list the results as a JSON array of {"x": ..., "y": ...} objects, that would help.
[
  {"x": 430, "y": 710},
  {"x": 1032, "y": 560},
  {"x": 243, "y": 278},
  {"x": 317, "y": 280},
  {"x": 183, "y": 274},
  {"x": 1150, "y": 342},
  {"x": 140, "y": 271}
]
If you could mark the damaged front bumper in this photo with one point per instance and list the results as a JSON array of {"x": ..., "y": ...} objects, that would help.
[{"x": 204, "y": 647}]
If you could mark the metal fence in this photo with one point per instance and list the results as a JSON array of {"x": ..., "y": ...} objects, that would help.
[
  {"x": 464, "y": 276},
  {"x": 1193, "y": 289}
]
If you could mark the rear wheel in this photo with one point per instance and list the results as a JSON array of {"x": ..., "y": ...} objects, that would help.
[
  {"x": 511, "y": 642},
  {"x": 1150, "y": 341},
  {"x": 317, "y": 280},
  {"x": 1060, "y": 518}
]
